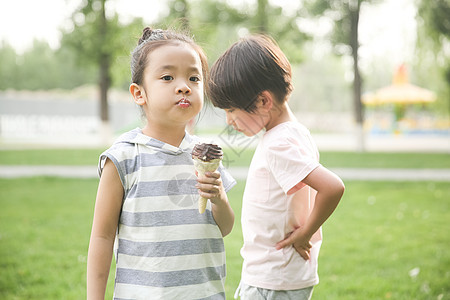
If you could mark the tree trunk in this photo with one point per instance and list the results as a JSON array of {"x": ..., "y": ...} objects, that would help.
[
  {"x": 104, "y": 78},
  {"x": 261, "y": 16},
  {"x": 354, "y": 9},
  {"x": 184, "y": 15},
  {"x": 104, "y": 86}
]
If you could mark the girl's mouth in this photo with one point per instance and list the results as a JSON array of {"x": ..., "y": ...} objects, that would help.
[
  {"x": 236, "y": 129},
  {"x": 184, "y": 103}
]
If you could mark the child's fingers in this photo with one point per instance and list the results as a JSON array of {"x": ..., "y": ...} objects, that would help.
[
  {"x": 215, "y": 174},
  {"x": 209, "y": 180},
  {"x": 303, "y": 251},
  {"x": 284, "y": 243},
  {"x": 208, "y": 191},
  {"x": 308, "y": 245},
  {"x": 208, "y": 195},
  {"x": 290, "y": 240},
  {"x": 207, "y": 187},
  {"x": 305, "y": 254}
]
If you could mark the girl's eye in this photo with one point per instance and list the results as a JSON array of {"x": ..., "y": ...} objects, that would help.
[
  {"x": 167, "y": 77},
  {"x": 194, "y": 79}
]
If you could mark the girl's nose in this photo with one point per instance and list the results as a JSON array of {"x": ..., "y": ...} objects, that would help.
[
  {"x": 228, "y": 119},
  {"x": 183, "y": 88}
]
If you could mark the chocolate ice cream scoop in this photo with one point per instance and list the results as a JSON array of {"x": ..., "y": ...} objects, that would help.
[{"x": 207, "y": 152}]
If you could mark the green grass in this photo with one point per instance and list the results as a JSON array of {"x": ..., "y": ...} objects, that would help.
[
  {"x": 50, "y": 157},
  {"x": 385, "y": 160},
  {"x": 379, "y": 233},
  {"x": 236, "y": 157},
  {"x": 44, "y": 230},
  {"x": 331, "y": 159}
]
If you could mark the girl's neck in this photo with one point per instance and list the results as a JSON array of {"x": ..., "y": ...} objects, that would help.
[
  {"x": 280, "y": 114},
  {"x": 172, "y": 136}
]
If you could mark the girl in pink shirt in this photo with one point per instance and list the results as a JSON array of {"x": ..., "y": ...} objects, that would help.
[{"x": 288, "y": 193}]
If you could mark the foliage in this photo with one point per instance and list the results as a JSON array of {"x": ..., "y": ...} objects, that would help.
[
  {"x": 24, "y": 71},
  {"x": 433, "y": 50},
  {"x": 128, "y": 36},
  {"x": 217, "y": 24},
  {"x": 273, "y": 20},
  {"x": 340, "y": 13},
  {"x": 77, "y": 60},
  {"x": 118, "y": 41},
  {"x": 345, "y": 16},
  {"x": 436, "y": 14},
  {"x": 8, "y": 68},
  {"x": 332, "y": 94}
]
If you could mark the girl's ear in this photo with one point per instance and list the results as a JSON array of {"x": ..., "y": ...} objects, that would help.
[
  {"x": 137, "y": 93},
  {"x": 266, "y": 100}
]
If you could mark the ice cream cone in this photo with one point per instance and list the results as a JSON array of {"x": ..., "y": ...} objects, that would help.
[
  {"x": 207, "y": 158},
  {"x": 202, "y": 167}
]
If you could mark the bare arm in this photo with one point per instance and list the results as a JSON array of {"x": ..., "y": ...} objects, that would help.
[
  {"x": 211, "y": 187},
  {"x": 106, "y": 218},
  {"x": 330, "y": 189}
]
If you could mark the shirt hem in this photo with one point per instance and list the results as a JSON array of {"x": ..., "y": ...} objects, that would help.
[{"x": 269, "y": 286}]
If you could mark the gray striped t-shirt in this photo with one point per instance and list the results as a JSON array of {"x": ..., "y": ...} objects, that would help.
[{"x": 165, "y": 249}]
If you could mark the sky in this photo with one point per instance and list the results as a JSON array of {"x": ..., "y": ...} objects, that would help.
[{"x": 387, "y": 30}]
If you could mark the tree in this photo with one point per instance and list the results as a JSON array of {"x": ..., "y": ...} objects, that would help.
[
  {"x": 212, "y": 23},
  {"x": 24, "y": 71},
  {"x": 433, "y": 46},
  {"x": 8, "y": 67},
  {"x": 180, "y": 11},
  {"x": 261, "y": 20},
  {"x": 272, "y": 20},
  {"x": 91, "y": 40},
  {"x": 345, "y": 14},
  {"x": 99, "y": 39},
  {"x": 217, "y": 24}
]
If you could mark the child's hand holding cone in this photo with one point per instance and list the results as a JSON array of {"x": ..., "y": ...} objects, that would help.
[{"x": 206, "y": 158}]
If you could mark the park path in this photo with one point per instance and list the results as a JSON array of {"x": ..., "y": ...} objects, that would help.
[{"x": 239, "y": 173}]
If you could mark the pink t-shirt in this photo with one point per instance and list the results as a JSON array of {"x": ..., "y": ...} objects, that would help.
[{"x": 275, "y": 202}]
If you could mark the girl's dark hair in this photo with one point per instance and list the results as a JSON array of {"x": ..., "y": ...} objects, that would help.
[
  {"x": 154, "y": 38},
  {"x": 250, "y": 66}
]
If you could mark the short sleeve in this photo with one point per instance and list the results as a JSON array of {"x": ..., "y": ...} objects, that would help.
[
  {"x": 290, "y": 164},
  {"x": 101, "y": 164},
  {"x": 227, "y": 180}
]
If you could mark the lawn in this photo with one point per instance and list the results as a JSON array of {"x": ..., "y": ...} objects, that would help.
[
  {"x": 236, "y": 157},
  {"x": 385, "y": 241}
]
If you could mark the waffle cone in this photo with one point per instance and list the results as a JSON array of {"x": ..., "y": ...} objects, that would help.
[{"x": 202, "y": 167}]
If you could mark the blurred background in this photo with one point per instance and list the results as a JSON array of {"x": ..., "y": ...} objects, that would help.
[
  {"x": 371, "y": 81},
  {"x": 368, "y": 75}
]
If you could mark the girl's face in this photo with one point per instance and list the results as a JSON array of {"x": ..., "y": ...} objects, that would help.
[
  {"x": 245, "y": 122},
  {"x": 172, "y": 85}
]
